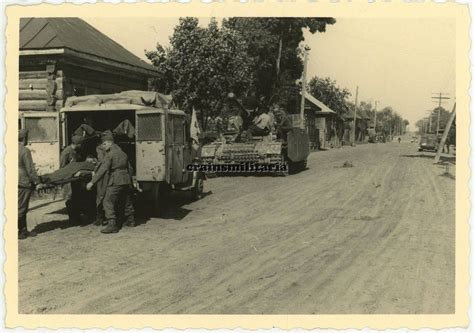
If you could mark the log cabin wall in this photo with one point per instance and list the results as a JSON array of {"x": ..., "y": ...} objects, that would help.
[
  {"x": 46, "y": 82},
  {"x": 38, "y": 87}
]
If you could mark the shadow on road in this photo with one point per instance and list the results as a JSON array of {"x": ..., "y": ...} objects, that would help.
[
  {"x": 448, "y": 175},
  {"x": 171, "y": 207},
  {"x": 450, "y": 159},
  {"x": 52, "y": 225}
]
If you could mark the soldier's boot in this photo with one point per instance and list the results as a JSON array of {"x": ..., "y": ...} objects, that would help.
[
  {"x": 130, "y": 222},
  {"x": 23, "y": 231},
  {"x": 71, "y": 212},
  {"x": 110, "y": 228},
  {"x": 98, "y": 221},
  {"x": 100, "y": 216}
]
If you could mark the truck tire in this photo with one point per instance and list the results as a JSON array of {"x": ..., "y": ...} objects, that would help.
[
  {"x": 159, "y": 199},
  {"x": 198, "y": 188}
]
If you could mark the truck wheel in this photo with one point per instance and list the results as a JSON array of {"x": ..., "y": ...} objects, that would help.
[
  {"x": 159, "y": 199},
  {"x": 304, "y": 165},
  {"x": 198, "y": 188},
  {"x": 292, "y": 168}
]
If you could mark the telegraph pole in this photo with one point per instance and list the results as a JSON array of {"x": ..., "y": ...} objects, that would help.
[
  {"x": 355, "y": 117},
  {"x": 439, "y": 98},
  {"x": 375, "y": 117},
  {"x": 445, "y": 134},
  {"x": 303, "y": 87}
]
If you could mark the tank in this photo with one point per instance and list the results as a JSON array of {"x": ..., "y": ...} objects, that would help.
[
  {"x": 291, "y": 154},
  {"x": 233, "y": 150}
]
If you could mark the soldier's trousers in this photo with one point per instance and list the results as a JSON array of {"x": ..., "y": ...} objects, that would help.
[
  {"x": 118, "y": 205},
  {"x": 24, "y": 195},
  {"x": 79, "y": 201}
]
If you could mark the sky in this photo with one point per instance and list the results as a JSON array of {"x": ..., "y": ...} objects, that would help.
[{"x": 398, "y": 62}]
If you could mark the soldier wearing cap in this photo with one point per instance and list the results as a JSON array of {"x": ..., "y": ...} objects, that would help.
[
  {"x": 72, "y": 192},
  {"x": 27, "y": 180},
  {"x": 282, "y": 124},
  {"x": 117, "y": 200},
  {"x": 73, "y": 152},
  {"x": 101, "y": 184}
]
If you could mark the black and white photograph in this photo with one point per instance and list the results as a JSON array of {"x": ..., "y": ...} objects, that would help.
[{"x": 233, "y": 165}]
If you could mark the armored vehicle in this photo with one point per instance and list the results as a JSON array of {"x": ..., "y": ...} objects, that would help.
[{"x": 232, "y": 149}]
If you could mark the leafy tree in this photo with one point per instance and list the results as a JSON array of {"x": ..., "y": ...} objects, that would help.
[
  {"x": 328, "y": 92},
  {"x": 201, "y": 66},
  {"x": 421, "y": 125},
  {"x": 274, "y": 53},
  {"x": 389, "y": 122},
  {"x": 443, "y": 118}
]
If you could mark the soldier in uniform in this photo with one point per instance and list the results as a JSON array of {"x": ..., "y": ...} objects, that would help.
[
  {"x": 282, "y": 124},
  {"x": 101, "y": 184},
  {"x": 250, "y": 105},
  {"x": 72, "y": 191},
  {"x": 27, "y": 180},
  {"x": 117, "y": 200}
]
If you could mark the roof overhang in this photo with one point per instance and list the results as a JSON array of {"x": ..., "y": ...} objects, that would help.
[
  {"x": 90, "y": 57},
  {"x": 314, "y": 101}
]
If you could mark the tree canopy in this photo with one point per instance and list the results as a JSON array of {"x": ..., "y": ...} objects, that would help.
[
  {"x": 328, "y": 92},
  {"x": 274, "y": 52},
  {"x": 202, "y": 65}
]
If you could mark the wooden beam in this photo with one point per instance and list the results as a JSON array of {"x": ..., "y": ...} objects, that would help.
[
  {"x": 33, "y": 83},
  {"x": 28, "y": 94},
  {"x": 111, "y": 77},
  {"x": 37, "y": 105},
  {"x": 445, "y": 135},
  {"x": 33, "y": 75}
]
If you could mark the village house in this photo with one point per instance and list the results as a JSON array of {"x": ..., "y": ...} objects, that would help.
[
  {"x": 324, "y": 125},
  {"x": 362, "y": 127},
  {"x": 55, "y": 63},
  {"x": 62, "y": 57}
]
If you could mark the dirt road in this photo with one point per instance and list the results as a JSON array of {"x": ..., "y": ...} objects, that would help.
[{"x": 374, "y": 238}]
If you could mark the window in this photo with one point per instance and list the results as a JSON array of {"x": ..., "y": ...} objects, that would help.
[
  {"x": 42, "y": 129},
  {"x": 149, "y": 127},
  {"x": 178, "y": 129}
]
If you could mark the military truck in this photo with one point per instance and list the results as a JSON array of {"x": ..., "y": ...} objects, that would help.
[
  {"x": 230, "y": 149},
  {"x": 153, "y": 133},
  {"x": 428, "y": 142}
]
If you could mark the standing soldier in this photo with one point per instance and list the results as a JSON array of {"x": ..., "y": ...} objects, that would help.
[
  {"x": 101, "y": 186},
  {"x": 72, "y": 191},
  {"x": 117, "y": 200},
  {"x": 27, "y": 179}
]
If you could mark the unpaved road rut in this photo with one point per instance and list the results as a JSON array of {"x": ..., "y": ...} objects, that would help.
[{"x": 374, "y": 238}]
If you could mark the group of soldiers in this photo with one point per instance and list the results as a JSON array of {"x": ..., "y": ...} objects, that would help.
[
  {"x": 112, "y": 180},
  {"x": 255, "y": 118}
]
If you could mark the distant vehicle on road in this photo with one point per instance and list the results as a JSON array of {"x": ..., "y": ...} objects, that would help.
[{"x": 428, "y": 142}]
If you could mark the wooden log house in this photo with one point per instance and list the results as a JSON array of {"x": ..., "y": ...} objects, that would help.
[
  {"x": 62, "y": 57},
  {"x": 325, "y": 127}
]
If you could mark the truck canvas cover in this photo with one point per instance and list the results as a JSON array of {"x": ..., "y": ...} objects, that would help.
[{"x": 132, "y": 97}]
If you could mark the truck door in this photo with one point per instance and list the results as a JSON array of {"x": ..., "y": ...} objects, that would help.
[
  {"x": 43, "y": 139},
  {"x": 150, "y": 146},
  {"x": 176, "y": 143}
]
